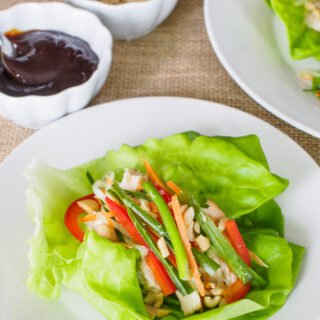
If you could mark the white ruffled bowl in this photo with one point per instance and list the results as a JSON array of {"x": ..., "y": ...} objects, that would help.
[
  {"x": 36, "y": 111},
  {"x": 129, "y": 20}
]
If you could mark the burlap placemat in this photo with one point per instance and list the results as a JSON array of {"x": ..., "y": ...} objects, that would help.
[{"x": 175, "y": 60}]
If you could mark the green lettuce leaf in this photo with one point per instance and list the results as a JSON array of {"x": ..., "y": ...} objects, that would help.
[
  {"x": 105, "y": 273},
  {"x": 284, "y": 260},
  {"x": 231, "y": 171},
  {"x": 303, "y": 41},
  {"x": 268, "y": 3},
  {"x": 268, "y": 216}
]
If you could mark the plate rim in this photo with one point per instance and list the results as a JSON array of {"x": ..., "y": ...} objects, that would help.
[
  {"x": 108, "y": 103},
  {"x": 242, "y": 84}
]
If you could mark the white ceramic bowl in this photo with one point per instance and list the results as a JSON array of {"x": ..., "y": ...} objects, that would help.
[
  {"x": 129, "y": 20},
  {"x": 36, "y": 111}
]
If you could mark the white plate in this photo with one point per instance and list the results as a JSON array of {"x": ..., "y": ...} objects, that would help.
[
  {"x": 89, "y": 133},
  {"x": 250, "y": 42}
]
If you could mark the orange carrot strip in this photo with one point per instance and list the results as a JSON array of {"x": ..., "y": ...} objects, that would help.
[
  {"x": 257, "y": 260},
  {"x": 153, "y": 207},
  {"x": 183, "y": 233},
  {"x": 88, "y": 217},
  {"x": 108, "y": 216},
  {"x": 109, "y": 180},
  {"x": 153, "y": 176},
  {"x": 99, "y": 201},
  {"x": 174, "y": 187}
]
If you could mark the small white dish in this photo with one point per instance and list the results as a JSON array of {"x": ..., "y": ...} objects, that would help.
[
  {"x": 132, "y": 121},
  {"x": 129, "y": 20},
  {"x": 250, "y": 42},
  {"x": 36, "y": 111}
]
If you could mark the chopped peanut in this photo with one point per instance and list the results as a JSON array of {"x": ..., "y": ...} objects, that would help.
[
  {"x": 222, "y": 224},
  {"x": 203, "y": 243},
  {"x": 196, "y": 227},
  {"x": 106, "y": 232},
  {"x": 188, "y": 217},
  {"x": 306, "y": 76},
  {"x": 162, "y": 245},
  {"x": 88, "y": 205},
  {"x": 217, "y": 291},
  {"x": 309, "y": 6},
  {"x": 211, "y": 302}
]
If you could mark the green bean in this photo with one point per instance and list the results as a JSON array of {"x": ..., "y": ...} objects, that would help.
[
  {"x": 171, "y": 227},
  {"x": 147, "y": 218},
  {"x": 206, "y": 263},
  {"x": 136, "y": 194},
  {"x": 224, "y": 248},
  {"x": 203, "y": 260},
  {"x": 90, "y": 178},
  {"x": 183, "y": 287},
  {"x": 172, "y": 301}
]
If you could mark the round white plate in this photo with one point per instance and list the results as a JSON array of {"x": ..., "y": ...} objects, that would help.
[
  {"x": 250, "y": 42},
  {"x": 89, "y": 133}
]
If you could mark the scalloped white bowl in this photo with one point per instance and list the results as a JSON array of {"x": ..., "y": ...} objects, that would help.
[
  {"x": 129, "y": 20},
  {"x": 36, "y": 111}
]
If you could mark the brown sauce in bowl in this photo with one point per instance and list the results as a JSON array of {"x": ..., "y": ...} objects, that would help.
[{"x": 53, "y": 61}]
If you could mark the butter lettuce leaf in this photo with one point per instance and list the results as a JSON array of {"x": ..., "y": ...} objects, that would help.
[
  {"x": 101, "y": 271},
  {"x": 268, "y": 216},
  {"x": 105, "y": 274},
  {"x": 232, "y": 171},
  {"x": 304, "y": 42}
]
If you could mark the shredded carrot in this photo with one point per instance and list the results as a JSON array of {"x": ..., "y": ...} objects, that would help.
[
  {"x": 153, "y": 176},
  {"x": 88, "y": 217},
  {"x": 153, "y": 207},
  {"x": 184, "y": 236},
  {"x": 212, "y": 218},
  {"x": 207, "y": 284},
  {"x": 109, "y": 180},
  {"x": 99, "y": 201},
  {"x": 256, "y": 259},
  {"x": 174, "y": 187},
  {"x": 155, "y": 237},
  {"x": 108, "y": 216}
]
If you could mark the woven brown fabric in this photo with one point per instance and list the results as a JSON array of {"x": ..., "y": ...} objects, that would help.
[{"x": 175, "y": 60}]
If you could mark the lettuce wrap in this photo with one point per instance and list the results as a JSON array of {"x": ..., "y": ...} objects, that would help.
[
  {"x": 231, "y": 171},
  {"x": 304, "y": 42}
]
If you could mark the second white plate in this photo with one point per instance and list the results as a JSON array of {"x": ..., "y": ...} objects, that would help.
[{"x": 245, "y": 36}]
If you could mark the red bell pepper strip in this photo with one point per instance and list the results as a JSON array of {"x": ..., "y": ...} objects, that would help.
[
  {"x": 71, "y": 218},
  {"x": 124, "y": 219},
  {"x": 237, "y": 241},
  {"x": 165, "y": 194},
  {"x": 237, "y": 291},
  {"x": 158, "y": 270}
]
